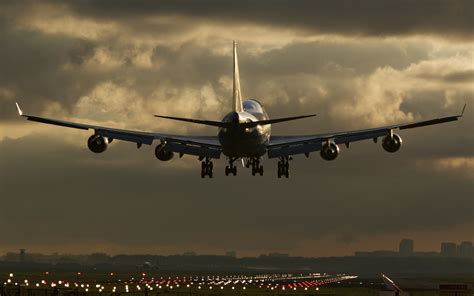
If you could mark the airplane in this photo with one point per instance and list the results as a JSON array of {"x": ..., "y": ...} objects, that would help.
[{"x": 243, "y": 134}]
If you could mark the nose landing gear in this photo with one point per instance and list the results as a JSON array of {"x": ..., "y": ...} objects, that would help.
[
  {"x": 256, "y": 167},
  {"x": 231, "y": 168},
  {"x": 284, "y": 167},
  {"x": 206, "y": 168}
]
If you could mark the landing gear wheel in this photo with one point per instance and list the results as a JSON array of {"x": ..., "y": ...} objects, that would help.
[
  {"x": 206, "y": 168},
  {"x": 231, "y": 168},
  {"x": 283, "y": 167},
  {"x": 256, "y": 167}
]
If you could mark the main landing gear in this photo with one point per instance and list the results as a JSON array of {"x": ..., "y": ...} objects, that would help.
[
  {"x": 206, "y": 168},
  {"x": 284, "y": 167},
  {"x": 231, "y": 168}
]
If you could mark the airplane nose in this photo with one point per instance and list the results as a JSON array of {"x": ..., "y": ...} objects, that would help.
[{"x": 234, "y": 118}]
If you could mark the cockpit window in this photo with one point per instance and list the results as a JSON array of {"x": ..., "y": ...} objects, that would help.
[{"x": 252, "y": 106}]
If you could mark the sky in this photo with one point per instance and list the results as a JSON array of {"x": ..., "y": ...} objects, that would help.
[{"x": 356, "y": 64}]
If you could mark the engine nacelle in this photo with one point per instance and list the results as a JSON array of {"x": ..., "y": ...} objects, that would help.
[
  {"x": 329, "y": 151},
  {"x": 97, "y": 144},
  {"x": 162, "y": 154},
  {"x": 392, "y": 143}
]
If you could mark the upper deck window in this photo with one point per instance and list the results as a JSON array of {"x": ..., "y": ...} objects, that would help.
[{"x": 252, "y": 106}]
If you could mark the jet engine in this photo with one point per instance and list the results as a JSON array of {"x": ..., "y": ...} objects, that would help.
[
  {"x": 329, "y": 151},
  {"x": 97, "y": 144},
  {"x": 392, "y": 143},
  {"x": 163, "y": 154}
]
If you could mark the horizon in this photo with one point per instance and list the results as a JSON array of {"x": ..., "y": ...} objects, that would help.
[{"x": 194, "y": 253}]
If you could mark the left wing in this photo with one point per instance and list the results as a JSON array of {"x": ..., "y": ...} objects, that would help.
[
  {"x": 281, "y": 146},
  {"x": 201, "y": 146}
]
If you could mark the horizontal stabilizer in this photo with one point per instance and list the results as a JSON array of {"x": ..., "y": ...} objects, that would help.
[
  {"x": 204, "y": 122},
  {"x": 270, "y": 121}
]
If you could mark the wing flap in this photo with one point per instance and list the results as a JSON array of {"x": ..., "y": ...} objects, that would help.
[
  {"x": 294, "y": 149},
  {"x": 201, "y": 151},
  {"x": 136, "y": 137}
]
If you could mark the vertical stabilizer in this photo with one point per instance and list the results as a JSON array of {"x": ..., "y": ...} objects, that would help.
[{"x": 237, "y": 95}]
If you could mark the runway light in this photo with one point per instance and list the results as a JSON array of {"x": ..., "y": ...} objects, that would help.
[{"x": 11, "y": 274}]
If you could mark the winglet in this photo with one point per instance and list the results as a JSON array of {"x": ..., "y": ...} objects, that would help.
[
  {"x": 19, "y": 110},
  {"x": 463, "y": 109}
]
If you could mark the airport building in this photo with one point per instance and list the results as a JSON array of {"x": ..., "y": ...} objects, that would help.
[
  {"x": 406, "y": 247},
  {"x": 448, "y": 249},
  {"x": 465, "y": 249},
  {"x": 232, "y": 254}
]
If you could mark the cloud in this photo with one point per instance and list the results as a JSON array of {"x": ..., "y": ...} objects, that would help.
[
  {"x": 373, "y": 18},
  {"x": 463, "y": 166}
]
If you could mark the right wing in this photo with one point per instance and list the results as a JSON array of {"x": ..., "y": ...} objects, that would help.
[
  {"x": 281, "y": 146},
  {"x": 201, "y": 146}
]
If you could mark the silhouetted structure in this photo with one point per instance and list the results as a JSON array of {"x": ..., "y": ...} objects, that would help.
[
  {"x": 22, "y": 255},
  {"x": 448, "y": 249},
  {"x": 466, "y": 249},
  {"x": 406, "y": 247},
  {"x": 231, "y": 254}
]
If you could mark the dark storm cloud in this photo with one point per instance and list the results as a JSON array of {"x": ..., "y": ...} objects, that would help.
[
  {"x": 32, "y": 67},
  {"x": 466, "y": 76},
  {"x": 451, "y": 18}
]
